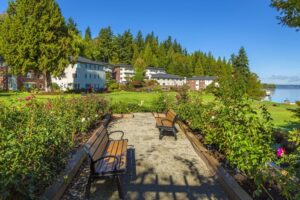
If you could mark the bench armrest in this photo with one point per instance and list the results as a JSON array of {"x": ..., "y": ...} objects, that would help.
[
  {"x": 109, "y": 156},
  {"x": 116, "y": 132}
]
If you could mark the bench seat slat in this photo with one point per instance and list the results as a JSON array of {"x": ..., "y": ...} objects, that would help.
[
  {"x": 99, "y": 146},
  {"x": 93, "y": 138},
  {"x": 165, "y": 123},
  {"x": 123, "y": 159},
  {"x": 111, "y": 151},
  {"x": 117, "y": 148}
]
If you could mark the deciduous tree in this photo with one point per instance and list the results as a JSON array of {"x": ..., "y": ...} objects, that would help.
[{"x": 289, "y": 12}]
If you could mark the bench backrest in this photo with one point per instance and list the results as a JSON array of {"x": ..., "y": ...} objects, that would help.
[
  {"x": 171, "y": 115},
  {"x": 97, "y": 143}
]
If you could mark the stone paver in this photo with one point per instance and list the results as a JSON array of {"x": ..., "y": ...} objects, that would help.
[{"x": 159, "y": 169}]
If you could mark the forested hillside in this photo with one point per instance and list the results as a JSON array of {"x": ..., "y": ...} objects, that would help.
[{"x": 148, "y": 50}]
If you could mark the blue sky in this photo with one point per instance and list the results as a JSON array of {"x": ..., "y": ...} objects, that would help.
[{"x": 221, "y": 27}]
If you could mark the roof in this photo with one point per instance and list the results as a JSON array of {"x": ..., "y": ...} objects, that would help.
[
  {"x": 124, "y": 65},
  {"x": 166, "y": 76},
  {"x": 155, "y": 68},
  {"x": 203, "y": 78},
  {"x": 86, "y": 60}
]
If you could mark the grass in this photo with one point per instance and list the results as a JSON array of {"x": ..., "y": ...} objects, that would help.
[
  {"x": 281, "y": 113},
  {"x": 9, "y": 98}
]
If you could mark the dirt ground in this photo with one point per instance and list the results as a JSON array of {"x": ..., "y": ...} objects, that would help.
[{"x": 157, "y": 169}]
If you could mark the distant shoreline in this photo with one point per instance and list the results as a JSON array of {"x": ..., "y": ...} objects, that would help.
[{"x": 287, "y": 86}]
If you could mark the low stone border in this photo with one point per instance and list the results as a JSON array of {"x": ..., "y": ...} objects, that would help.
[
  {"x": 118, "y": 116},
  {"x": 57, "y": 189},
  {"x": 233, "y": 189}
]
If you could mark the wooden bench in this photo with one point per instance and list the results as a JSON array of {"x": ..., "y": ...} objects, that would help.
[
  {"x": 107, "y": 157},
  {"x": 166, "y": 123}
]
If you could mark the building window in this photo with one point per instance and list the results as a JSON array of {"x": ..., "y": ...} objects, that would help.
[
  {"x": 85, "y": 75},
  {"x": 95, "y": 76},
  {"x": 90, "y": 75},
  {"x": 29, "y": 75},
  {"x": 74, "y": 75}
]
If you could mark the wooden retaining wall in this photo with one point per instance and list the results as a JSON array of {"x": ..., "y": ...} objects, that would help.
[
  {"x": 57, "y": 189},
  {"x": 233, "y": 189}
]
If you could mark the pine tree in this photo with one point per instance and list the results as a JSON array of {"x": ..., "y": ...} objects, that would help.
[
  {"x": 72, "y": 26},
  {"x": 148, "y": 56},
  {"x": 139, "y": 42},
  {"x": 88, "y": 34},
  {"x": 104, "y": 45},
  {"x": 35, "y": 37},
  {"x": 124, "y": 47}
]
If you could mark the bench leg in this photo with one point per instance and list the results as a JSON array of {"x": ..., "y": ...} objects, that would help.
[
  {"x": 119, "y": 187},
  {"x": 175, "y": 135},
  {"x": 88, "y": 188},
  {"x": 160, "y": 134}
]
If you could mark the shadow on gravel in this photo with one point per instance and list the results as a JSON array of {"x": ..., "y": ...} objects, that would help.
[{"x": 135, "y": 186}]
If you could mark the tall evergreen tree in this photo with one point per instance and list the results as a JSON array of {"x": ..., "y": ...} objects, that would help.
[
  {"x": 35, "y": 37},
  {"x": 148, "y": 57},
  {"x": 139, "y": 41},
  {"x": 88, "y": 34},
  {"x": 124, "y": 47},
  {"x": 72, "y": 25},
  {"x": 104, "y": 45}
]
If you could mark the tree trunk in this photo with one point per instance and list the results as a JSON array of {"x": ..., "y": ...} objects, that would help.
[{"x": 48, "y": 82}]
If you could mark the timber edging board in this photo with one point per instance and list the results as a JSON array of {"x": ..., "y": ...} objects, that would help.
[
  {"x": 57, "y": 189},
  {"x": 233, "y": 189},
  {"x": 118, "y": 116}
]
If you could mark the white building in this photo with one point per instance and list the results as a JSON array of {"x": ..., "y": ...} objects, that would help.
[
  {"x": 168, "y": 79},
  {"x": 85, "y": 74},
  {"x": 123, "y": 72},
  {"x": 153, "y": 70},
  {"x": 200, "y": 82}
]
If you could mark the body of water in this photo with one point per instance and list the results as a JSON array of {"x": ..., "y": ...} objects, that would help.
[{"x": 284, "y": 93}]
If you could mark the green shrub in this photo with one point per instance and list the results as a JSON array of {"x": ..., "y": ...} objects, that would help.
[
  {"x": 124, "y": 107},
  {"x": 162, "y": 103},
  {"x": 234, "y": 127},
  {"x": 36, "y": 139},
  {"x": 113, "y": 86}
]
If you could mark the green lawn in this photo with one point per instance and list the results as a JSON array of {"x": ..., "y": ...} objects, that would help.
[
  {"x": 281, "y": 113},
  {"x": 18, "y": 97}
]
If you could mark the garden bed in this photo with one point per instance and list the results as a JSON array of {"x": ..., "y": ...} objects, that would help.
[
  {"x": 38, "y": 139},
  {"x": 235, "y": 183},
  {"x": 77, "y": 157}
]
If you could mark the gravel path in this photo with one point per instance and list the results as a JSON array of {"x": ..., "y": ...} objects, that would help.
[{"x": 157, "y": 169}]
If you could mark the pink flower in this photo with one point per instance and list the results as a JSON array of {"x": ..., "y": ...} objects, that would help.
[
  {"x": 28, "y": 98},
  {"x": 280, "y": 152}
]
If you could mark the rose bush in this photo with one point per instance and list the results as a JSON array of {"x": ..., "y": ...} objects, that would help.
[{"x": 36, "y": 139}]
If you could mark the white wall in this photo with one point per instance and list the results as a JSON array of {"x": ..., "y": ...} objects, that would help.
[
  {"x": 126, "y": 72},
  {"x": 150, "y": 72},
  {"x": 80, "y": 76},
  {"x": 170, "y": 82}
]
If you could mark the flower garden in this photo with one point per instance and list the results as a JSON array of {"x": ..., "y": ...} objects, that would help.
[{"x": 37, "y": 138}]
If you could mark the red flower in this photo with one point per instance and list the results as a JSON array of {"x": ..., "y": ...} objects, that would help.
[{"x": 28, "y": 98}]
